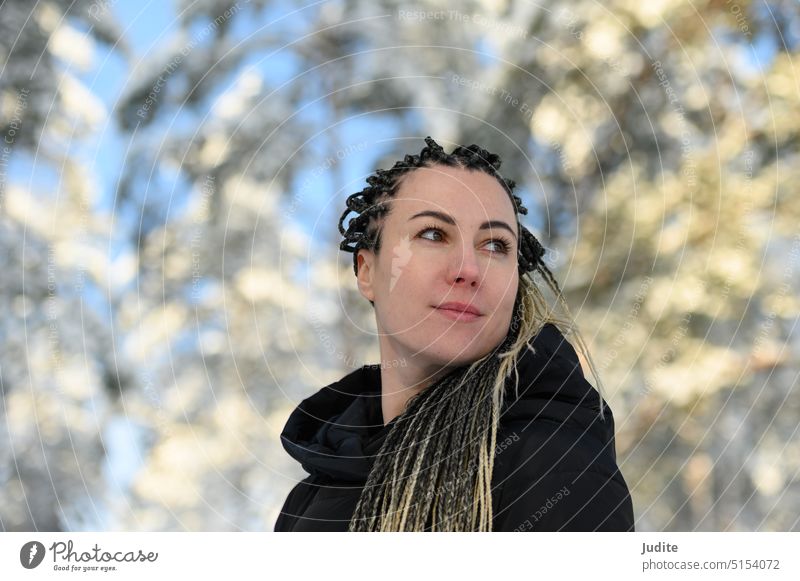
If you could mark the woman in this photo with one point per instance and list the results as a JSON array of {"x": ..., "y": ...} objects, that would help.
[{"x": 478, "y": 417}]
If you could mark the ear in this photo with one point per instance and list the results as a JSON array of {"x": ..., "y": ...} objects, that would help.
[{"x": 366, "y": 261}]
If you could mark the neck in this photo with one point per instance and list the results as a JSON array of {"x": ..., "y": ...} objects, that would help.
[{"x": 399, "y": 383}]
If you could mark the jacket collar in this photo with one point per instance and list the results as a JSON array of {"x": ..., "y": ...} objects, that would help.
[{"x": 336, "y": 432}]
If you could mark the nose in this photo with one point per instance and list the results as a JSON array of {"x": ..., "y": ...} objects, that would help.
[{"x": 464, "y": 267}]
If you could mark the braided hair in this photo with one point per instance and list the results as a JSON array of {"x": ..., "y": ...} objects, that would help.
[
  {"x": 434, "y": 469},
  {"x": 371, "y": 204}
]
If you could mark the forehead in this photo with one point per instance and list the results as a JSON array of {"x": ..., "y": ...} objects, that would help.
[{"x": 455, "y": 190}]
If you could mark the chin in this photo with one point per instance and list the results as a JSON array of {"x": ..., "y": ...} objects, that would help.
[{"x": 459, "y": 356}]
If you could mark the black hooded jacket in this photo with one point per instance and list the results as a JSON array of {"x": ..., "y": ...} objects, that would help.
[{"x": 555, "y": 462}]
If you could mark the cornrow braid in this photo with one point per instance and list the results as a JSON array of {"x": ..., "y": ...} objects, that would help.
[
  {"x": 434, "y": 469},
  {"x": 370, "y": 203}
]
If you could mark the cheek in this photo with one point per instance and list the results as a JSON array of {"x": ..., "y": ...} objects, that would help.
[
  {"x": 408, "y": 276},
  {"x": 507, "y": 295},
  {"x": 403, "y": 287},
  {"x": 506, "y": 291}
]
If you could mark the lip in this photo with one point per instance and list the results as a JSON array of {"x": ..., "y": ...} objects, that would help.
[{"x": 459, "y": 311}]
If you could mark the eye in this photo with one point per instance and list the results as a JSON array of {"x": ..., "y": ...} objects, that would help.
[
  {"x": 500, "y": 245},
  {"x": 503, "y": 245},
  {"x": 434, "y": 229}
]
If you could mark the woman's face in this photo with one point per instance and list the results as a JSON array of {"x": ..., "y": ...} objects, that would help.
[{"x": 450, "y": 237}]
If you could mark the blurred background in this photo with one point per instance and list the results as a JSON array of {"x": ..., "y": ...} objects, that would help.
[{"x": 171, "y": 176}]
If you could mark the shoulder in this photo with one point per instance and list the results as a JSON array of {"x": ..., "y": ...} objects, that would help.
[
  {"x": 543, "y": 445},
  {"x": 549, "y": 397},
  {"x": 551, "y": 477},
  {"x": 558, "y": 475},
  {"x": 296, "y": 502}
]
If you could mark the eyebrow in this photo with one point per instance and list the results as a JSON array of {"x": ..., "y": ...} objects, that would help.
[{"x": 447, "y": 218}]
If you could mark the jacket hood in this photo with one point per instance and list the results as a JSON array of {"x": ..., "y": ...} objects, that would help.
[{"x": 336, "y": 433}]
